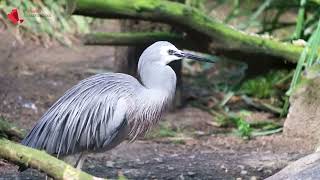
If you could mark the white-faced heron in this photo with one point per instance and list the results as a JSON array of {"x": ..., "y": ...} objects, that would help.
[{"x": 105, "y": 109}]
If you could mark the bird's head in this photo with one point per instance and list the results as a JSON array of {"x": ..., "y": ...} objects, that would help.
[
  {"x": 153, "y": 69},
  {"x": 163, "y": 52}
]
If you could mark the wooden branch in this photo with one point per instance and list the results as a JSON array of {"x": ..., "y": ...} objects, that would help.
[
  {"x": 28, "y": 157},
  {"x": 129, "y": 38},
  {"x": 187, "y": 17}
]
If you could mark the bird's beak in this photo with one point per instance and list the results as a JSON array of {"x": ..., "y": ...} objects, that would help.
[{"x": 188, "y": 55}]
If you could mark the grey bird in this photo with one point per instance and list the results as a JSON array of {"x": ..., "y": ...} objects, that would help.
[{"x": 103, "y": 110}]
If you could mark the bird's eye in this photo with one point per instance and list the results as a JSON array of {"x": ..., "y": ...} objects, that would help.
[{"x": 171, "y": 52}]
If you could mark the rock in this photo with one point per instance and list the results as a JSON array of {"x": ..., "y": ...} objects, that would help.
[
  {"x": 267, "y": 171},
  {"x": 243, "y": 172},
  {"x": 253, "y": 178},
  {"x": 241, "y": 167},
  {"x": 110, "y": 164},
  {"x": 158, "y": 160},
  {"x": 223, "y": 167},
  {"x": 303, "y": 117},
  {"x": 307, "y": 167},
  {"x": 260, "y": 169},
  {"x": 190, "y": 173},
  {"x": 91, "y": 166},
  {"x": 181, "y": 177}
]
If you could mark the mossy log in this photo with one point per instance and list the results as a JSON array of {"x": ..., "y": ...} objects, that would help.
[
  {"x": 129, "y": 38},
  {"x": 178, "y": 14},
  {"x": 28, "y": 157},
  {"x": 316, "y": 2},
  {"x": 10, "y": 131}
]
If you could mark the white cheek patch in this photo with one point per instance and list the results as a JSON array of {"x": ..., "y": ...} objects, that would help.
[
  {"x": 164, "y": 50},
  {"x": 165, "y": 57}
]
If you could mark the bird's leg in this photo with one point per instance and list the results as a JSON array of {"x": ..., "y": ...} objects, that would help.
[
  {"x": 80, "y": 160},
  {"x": 48, "y": 177},
  {"x": 75, "y": 160}
]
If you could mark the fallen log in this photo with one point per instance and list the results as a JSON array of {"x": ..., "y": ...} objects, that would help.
[
  {"x": 28, "y": 157},
  {"x": 129, "y": 38},
  {"x": 178, "y": 14},
  {"x": 32, "y": 158}
]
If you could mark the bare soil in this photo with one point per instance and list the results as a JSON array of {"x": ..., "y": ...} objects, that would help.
[{"x": 33, "y": 77}]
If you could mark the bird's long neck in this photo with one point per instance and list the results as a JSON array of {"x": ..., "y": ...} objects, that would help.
[
  {"x": 159, "y": 83},
  {"x": 155, "y": 76}
]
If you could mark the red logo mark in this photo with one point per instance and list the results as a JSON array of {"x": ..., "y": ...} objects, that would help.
[{"x": 14, "y": 16}]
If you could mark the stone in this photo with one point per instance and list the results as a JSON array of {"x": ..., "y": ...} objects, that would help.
[
  {"x": 243, "y": 172},
  {"x": 307, "y": 167},
  {"x": 110, "y": 164},
  {"x": 190, "y": 173}
]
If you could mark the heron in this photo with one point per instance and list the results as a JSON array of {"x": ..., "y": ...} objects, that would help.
[{"x": 103, "y": 110}]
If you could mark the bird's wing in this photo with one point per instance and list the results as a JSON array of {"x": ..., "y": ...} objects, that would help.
[{"x": 87, "y": 117}]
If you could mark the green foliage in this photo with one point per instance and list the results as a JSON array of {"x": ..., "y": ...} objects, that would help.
[
  {"x": 47, "y": 18},
  {"x": 236, "y": 119},
  {"x": 259, "y": 87},
  {"x": 300, "y": 20},
  {"x": 308, "y": 58},
  {"x": 244, "y": 128},
  {"x": 178, "y": 141},
  {"x": 222, "y": 120},
  {"x": 284, "y": 19},
  {"x": 164, "y": 130},
  {"x": 263, "y": 86},
  {"x": 122, "y": 177},
  {"x": 4, "y": 125},
  {"x": 10, "y": 131}
]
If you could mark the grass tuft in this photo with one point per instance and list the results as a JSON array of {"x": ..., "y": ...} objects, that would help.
[{"x": 164, "y": 130}]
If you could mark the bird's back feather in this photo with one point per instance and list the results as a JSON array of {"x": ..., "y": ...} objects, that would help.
[{"x": 89, "y": 116}]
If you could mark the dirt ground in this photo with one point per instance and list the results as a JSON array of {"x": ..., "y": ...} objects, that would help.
[{"x": 33, "y": 77}]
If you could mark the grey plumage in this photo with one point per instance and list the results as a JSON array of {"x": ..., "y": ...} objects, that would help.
[
  {"x": 82, "y": 118},
  {"x": 103, "y": 110}
]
